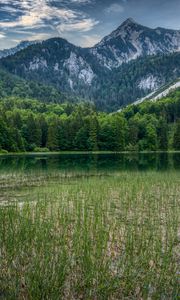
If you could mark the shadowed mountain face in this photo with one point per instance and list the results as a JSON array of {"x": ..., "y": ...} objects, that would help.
[
  {"x": 132, "y": 40},
  {"x": 128, "y": 64},
  {"x": 19, "y": 47}
]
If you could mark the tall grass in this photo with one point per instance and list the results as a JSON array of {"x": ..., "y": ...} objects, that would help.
[{"x": 110, "y": 236}]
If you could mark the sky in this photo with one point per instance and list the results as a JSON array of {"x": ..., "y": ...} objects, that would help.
[{"x": 81, "y": 22}]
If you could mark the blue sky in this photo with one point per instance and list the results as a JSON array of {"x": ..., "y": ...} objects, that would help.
[{"x": 82, "y": 22}]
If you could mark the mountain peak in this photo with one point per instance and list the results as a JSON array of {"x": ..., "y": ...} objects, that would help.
[
  {"x": 132, "y": 40},
  {"x": 129, "y": 21}
]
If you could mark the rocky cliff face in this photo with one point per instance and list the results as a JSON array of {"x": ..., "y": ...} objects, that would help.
[
  {"x": 132, "y": 40},
  {"x": 127, "y": 64}
]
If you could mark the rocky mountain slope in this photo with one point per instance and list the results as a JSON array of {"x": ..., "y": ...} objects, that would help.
[
  {"x": 132, "y": 40},
  {"x": 126, "y": 65},
  {"x": 22, "y": 45},
  {"x": 163, "y": 91}
]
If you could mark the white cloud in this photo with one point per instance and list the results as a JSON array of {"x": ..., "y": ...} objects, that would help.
[
  {"x": 35, "y": 12},
  {"x": 81, "y": 1},
  {"x": 114, "y": 8},
  {"x": 81, "y": 25},
  {"x": 32, "y": 16},
  {"x": 10, "y": 9},
  {"x": 38, "y": 13},
  {"x": 40, "y": 36},
  {"x": 90, "y": 40},
  {"x": 2, "y": 35}
]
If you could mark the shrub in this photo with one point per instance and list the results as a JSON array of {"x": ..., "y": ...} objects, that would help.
[{"x": 38, "y": 149}]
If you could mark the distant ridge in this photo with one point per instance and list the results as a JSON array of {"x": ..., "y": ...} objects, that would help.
[
  {"x": 125, "y": 66},
  {"x": 21, "y": 46}
]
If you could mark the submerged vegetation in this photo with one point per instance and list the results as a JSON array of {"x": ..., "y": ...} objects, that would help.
[
  {"x": 29, "y": 125},
  {"x": 96, "y": 234}
]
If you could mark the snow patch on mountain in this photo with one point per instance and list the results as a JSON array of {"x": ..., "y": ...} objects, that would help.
[
  {"x": 37, "y": 63},
  {"x": 159, "y": 93},
  {"x": 78, "y": 67},
  {"x": 86, "y": 75},
  {"x": 73, "y": 64},
  {"x": 56, "y": 67},
  {"x": 166, "y": 91},
  {"x": 70, "y": 83},
  {"x": 149, "y": 83}
]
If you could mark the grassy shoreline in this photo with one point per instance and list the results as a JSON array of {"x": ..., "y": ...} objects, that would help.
[
  {"x": 85, "y": 153},
  {"x": 109, "y": 236}
]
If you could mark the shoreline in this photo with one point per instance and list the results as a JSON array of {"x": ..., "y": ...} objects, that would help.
[{"x": 49, "y": 153}]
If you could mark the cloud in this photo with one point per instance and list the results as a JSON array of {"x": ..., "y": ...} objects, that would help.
[
  {"x": 40, "y": 36},
  {"x": 81, "y": 1},
  {"x": 9, "y": 9},
  {"x": 114, "y": 8},
  {"x": 43, "y": 19},
  {"x": 2, "y": 35},
  {"x": 36, "y": 12},
  {"x": 81, "y": 25},
  {"x": 90, "y": 40}
]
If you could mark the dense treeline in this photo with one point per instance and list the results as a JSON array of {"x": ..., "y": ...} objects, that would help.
[{"x": 29, "y": 125}]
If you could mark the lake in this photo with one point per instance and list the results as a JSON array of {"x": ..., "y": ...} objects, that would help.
[
  {"x": 88, "y": 162},
  {"x": 84, "y": 226}
]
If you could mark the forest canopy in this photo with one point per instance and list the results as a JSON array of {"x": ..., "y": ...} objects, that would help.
[{"x": 30, "y": 125}]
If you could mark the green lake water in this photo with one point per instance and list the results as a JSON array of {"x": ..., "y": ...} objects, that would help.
[{"x": 90, "y": 162}]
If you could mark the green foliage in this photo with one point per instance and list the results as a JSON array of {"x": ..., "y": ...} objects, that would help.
[
  {"x": 163, "y": 134},
  {"x": 11, "y": 85},
  {"x": 2, "y": 151},
  {"x": 38, "y": 149},
  {"x": 29, "y": 125},
  {"x": 176, "y": 139}
]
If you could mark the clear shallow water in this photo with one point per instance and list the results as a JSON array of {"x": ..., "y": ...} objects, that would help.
[
  {"x": 103, "y": 218},
  {"x": 90, "y": 162}
]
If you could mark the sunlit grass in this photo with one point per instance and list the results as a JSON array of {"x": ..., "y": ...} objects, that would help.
[{"x": 90, "y": 236}]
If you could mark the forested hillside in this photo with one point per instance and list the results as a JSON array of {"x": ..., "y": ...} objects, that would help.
[
  {"x": 29, "y": 125},
  {"x": 126, "y": 65},
  {"x": 11, "y": 85},
  {"x": 134, "y": 80}
]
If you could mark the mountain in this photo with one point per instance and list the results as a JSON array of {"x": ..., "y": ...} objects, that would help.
[
  {"x": 132, "y": 40},
  {"x": 22, "y": 45},
  {"x": 126, "y": 65},
  {"x": 11, "y": 85},
  {"x": 56, "y": 61},
  {"x": 161, "y": 92},
  {"x": 134, "y": 80}
]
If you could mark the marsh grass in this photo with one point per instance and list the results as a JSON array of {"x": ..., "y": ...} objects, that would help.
[{"x": 90, "y": 236}]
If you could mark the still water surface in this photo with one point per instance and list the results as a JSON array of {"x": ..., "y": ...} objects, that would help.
[{"x": 90, "y": 162}]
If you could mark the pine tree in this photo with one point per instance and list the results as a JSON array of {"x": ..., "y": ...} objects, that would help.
[
  {"x": 176, "y": 139},
  {"x": 33, "y": 134},
  {"x": 93, "y": 131},
  {"x": 118, "y": 133},
  {"x": 44, "y": 131},
  {"x": 151, "y": 138},
  {"x": 52, "y": 140},
  {"x": 132, "y": 135},
  {"x": 163, "y": 134}
]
